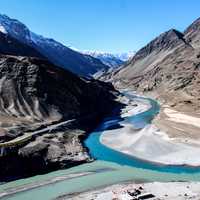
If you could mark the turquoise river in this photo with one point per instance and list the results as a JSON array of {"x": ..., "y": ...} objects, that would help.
[{"x": 110, "y": 167}]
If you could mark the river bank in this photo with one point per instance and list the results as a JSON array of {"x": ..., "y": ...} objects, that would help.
[
  {"x": 86, "y": 177},
  {"x": 151, "y": 143},
  {"x": 155, "y": 190}
]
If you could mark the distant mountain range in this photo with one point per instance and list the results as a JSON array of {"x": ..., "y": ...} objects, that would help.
[
  {"x": 86, "y": 63},
  {"x": 109, "y": 59},
  {"x": 60, "y": 55},
  {"x": 125, "y": 56}
]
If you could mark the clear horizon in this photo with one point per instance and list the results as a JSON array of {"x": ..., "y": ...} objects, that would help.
[{"x": 114, "y": 26}]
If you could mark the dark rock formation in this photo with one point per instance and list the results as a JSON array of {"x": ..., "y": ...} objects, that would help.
[
  {"x": 34, "y": 94},
  {"x": 35, "y": 88}
]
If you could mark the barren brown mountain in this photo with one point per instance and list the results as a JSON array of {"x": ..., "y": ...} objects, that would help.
[{"x": 168, "y": 67}]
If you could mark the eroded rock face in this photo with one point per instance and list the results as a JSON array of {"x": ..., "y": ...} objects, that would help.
[
  {"x": 34, "y": 94},
  {"x": 35, "y": 89},
  {"x": 168, "y": 66}
]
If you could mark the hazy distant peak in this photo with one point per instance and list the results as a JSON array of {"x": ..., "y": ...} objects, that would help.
[
  {"x": 110, "y": 59},
  {"x": 126, "y": 55}
]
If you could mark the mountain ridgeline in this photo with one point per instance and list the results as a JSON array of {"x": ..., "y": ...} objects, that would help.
[
  {"x": 57, "y": 53},
  {"x": 168, "y": 67}
]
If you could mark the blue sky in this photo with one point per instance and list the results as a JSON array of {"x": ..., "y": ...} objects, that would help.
[{"x": 104, "y": 25}]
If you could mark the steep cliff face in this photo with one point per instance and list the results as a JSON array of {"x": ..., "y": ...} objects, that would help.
[{"x": 168, "y": 66}]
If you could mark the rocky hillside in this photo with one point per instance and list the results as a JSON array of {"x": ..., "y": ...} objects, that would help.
[
  {"x": 45, "y": 111},
  {"x": 35, "y": 94},
  {"x": 38, "y": 90},
  {"x": 168, "y": 67},
  {"x": 60, "y": 55}
]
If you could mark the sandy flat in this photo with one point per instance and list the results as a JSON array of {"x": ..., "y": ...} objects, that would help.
[
  {"x": 182, "y": 126},
  {"x": 134, "y": 109},
  {"x": 152, "y": 144},
  {"x": 179, "y": 117}
]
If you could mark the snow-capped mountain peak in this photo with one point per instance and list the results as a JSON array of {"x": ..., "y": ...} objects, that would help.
[
  {"x": 110, "y": 59},
  {"x": 107, "y": 58},
  {"x": 126, "y": 55}
]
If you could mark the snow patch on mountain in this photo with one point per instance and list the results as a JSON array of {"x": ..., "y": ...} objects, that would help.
[{"x": 3, "y": 30}]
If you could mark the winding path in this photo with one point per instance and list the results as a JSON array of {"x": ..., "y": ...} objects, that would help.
[{"x": 28, "y": 136}]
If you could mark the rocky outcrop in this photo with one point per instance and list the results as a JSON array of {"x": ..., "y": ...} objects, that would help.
[
  {"x": 168, "y": 67},
  {"x": 51, "y": 151}
]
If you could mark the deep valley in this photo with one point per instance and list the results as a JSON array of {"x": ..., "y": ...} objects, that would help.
[{"x": 78, "y": 124}]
